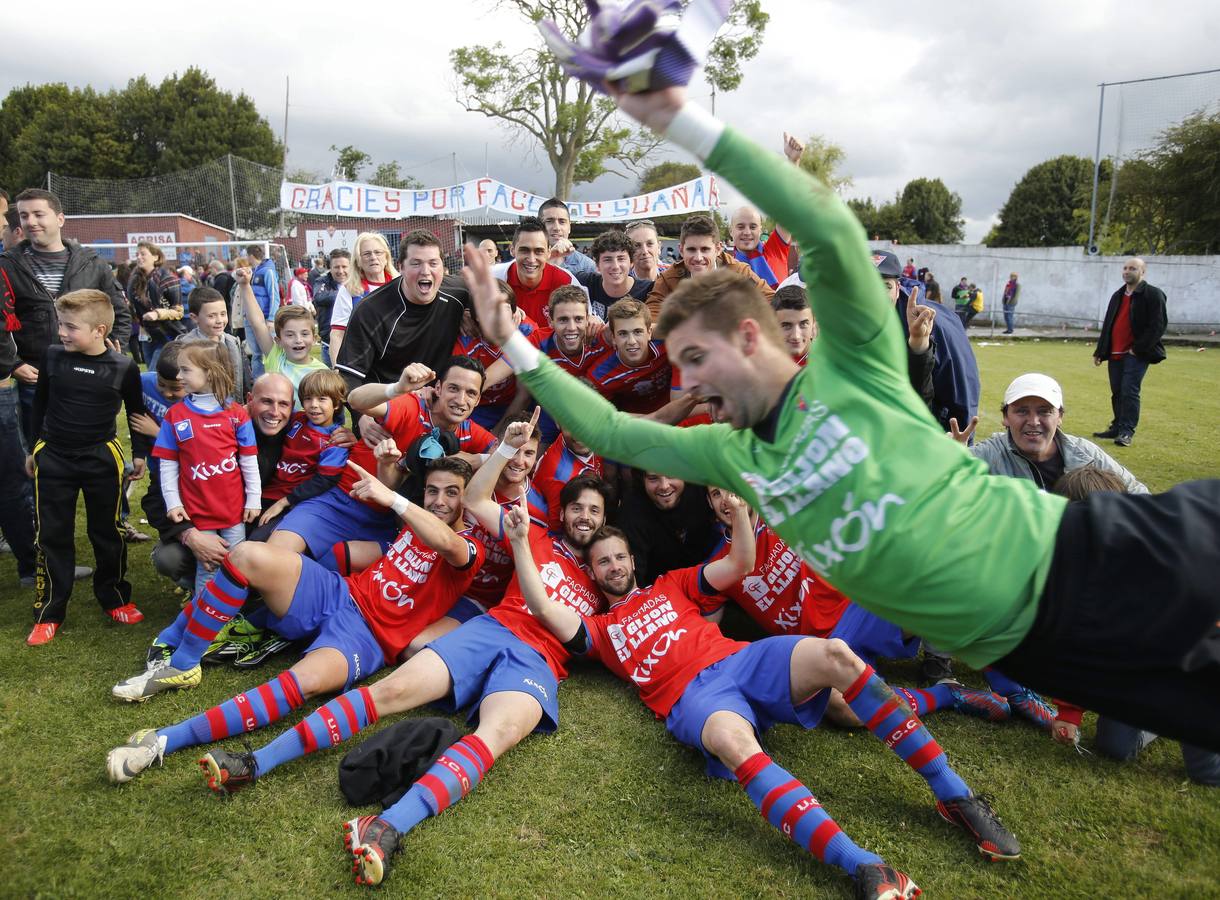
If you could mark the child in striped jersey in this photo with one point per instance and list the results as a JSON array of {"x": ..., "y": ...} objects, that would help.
[
  {"x": 209, "y": 466},
  {"x": 309, "y": 464}
]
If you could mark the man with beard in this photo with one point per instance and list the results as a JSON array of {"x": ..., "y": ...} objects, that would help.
[
  {"x": 668, "y": 522},
  {"x": 719, "y": 695}
]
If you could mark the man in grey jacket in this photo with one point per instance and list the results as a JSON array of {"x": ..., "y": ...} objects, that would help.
[{"x": 1034, "y": 446}]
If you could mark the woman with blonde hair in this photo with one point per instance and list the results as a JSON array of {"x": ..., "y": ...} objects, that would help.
[
  {"x": 156, "y": 296},
  {"x": 373, "y": 267}
]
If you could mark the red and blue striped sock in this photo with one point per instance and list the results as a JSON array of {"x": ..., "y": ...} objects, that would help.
[
  {"x": 789, "y": 806},
  {"x": 926, "y": 700},
  {"x": 245, "y": 712},
  {"x": 219, "y": 601},
  {"x": 886, "y": 716},
  {"x": 455, "y": 774},
  {"x": 326, "y": 726}
]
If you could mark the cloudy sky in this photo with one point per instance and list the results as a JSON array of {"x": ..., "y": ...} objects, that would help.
[{"x": 973, "y": 93}]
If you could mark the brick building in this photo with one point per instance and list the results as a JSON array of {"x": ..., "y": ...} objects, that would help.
[{"x": 159, "y": 228}]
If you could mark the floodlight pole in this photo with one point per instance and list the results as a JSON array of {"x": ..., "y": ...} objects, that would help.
[{"x": 1090, "y": 249}]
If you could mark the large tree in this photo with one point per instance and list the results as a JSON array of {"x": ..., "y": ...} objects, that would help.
[
  {"x": 1041, "y": 210},
  {"x": 1167, "y": 200},
  {"x": 934, "y": 212},
  {"x": 577, "y": 129},
  {"x": 141, "y": 131}
]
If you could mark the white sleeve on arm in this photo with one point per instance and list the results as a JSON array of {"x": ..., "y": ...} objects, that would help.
[
  {"x": 169, "y": 483},
  {"x": 520, "y": 353},
  {"x": 254, "y": 484},
  {"x": 695, "y": 129},
  {"x": 341, "y": 312}
]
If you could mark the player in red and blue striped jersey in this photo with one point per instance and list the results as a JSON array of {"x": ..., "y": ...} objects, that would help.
[
  {"x": 631, "y": 370},
  {"x": 718, "y": 695},
  {"x": 309, "y": 463},
  {"x": 357, "y": 624},
  {"x": 498, "y": 395},
  {"x": 317, "y": 524},
  {"x": 502, "y": 480},
  {"x": 506, "y": 666},
  {"x": 566, "y": 341},
  {"x": 783, "y": 595},
  {"x": 564, "y": 460}
]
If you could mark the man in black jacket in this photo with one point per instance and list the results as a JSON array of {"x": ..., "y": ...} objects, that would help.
[
  {"x": 34, "y": 273},
  {"x": 1130, "y": 341}
]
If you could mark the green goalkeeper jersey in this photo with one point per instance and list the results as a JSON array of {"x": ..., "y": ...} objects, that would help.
[{"x": 859, "y": 479}]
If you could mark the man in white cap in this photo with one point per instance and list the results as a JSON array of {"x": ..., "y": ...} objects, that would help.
[{"x": 1033, "y": 445}]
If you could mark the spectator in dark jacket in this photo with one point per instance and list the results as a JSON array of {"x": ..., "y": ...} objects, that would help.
[
  {"x": 36, "y": 271},
  {"x": 1131, "y": 342}
]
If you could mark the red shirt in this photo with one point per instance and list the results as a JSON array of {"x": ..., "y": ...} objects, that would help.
[
  {"x": 782, "y": 594},
  {"x": 408, "y": 589},
  {"x": 567, "y": 580},
  {"x": 407, "y": 418},
  {"x": 493, "y": 578},
  {"x": 657, "y": 638},
  {"x": 307, "y": 451},
  {"x": 1122, "y": 338},
  {"x": 533, "y": 300},
  {"x": 633, "y": 389},
  {"x": 486, "y": 353},
  {"x": 558, "y": 466},
  {"x": 206, "y": 446}
]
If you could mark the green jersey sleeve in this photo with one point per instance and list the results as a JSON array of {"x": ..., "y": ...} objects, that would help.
[
  {"x": 686, "y": 453},
  {"x": 845, "y": 292}
]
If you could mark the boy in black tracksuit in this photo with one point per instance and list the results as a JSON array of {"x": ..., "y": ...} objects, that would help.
[{"x": 81, "y": 385}]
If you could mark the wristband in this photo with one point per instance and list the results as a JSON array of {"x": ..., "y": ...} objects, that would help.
[
  {"x": 520, "y": 353},
  {"x": 502, "y": 447},
  {"x": 695, "y": 129},
  {"x": 391, "y": 391},
  {"x": 399, "y": 506}
]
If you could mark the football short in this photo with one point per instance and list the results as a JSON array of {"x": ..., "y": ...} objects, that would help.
[
  {"x": 755, "y": 683},
  {"x": 465, "y": 609},
  {"x": 323, "y": 609},
  {"x": 871, "y": 637},
  {"x": 325, "y": 520},
  {"x": 484, "y": 658}
]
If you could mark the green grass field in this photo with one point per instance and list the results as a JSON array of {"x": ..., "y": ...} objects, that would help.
[{"x": 609, "y": 805}]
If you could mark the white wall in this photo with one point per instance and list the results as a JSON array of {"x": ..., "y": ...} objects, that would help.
[{"x": 1061, "y": 284}]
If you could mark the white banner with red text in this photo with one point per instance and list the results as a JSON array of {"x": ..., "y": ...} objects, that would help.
[{"x": 368, "y": 201}]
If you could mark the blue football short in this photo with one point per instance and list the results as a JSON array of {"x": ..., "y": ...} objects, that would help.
[
  {"x": 465, "y": 609},
  {"x": 323, "y": 609},
  {"x": 484, "y": 658},
  {"x": 329, "y": 518},
  {"x": 756, "y": 683},
  {"x": 871, "y": 637}
]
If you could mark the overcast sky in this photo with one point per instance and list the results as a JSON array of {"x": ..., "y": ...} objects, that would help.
[{"x": 973, "y": 93}]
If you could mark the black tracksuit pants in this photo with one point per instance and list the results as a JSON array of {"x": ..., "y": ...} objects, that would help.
[{"x": 59, "y": 477}]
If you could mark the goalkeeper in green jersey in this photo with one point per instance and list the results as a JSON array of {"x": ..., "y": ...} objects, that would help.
[{"x": 1110, "y": 603}]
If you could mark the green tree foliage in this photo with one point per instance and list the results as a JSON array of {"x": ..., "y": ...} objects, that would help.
[
  {"x": 389, "y": 174},
  {"x": 821, "y": 159},
  {"x": 665, "y": 175},
  {"x": 1040, "y": 211},
  {"x": 924, "y": 212},
  {"x": 577, "y": 129},
  {"x": 140, "y": 131},
  {"x": 1168, "y": 199},
  {"x": 349, "y": 162},
  {"x": 934, "y": 212}
]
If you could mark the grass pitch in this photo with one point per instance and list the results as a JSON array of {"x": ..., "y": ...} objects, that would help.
[{"x": 609, "y": 805}]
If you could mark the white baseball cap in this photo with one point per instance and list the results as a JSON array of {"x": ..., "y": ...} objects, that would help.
[{"x": 1034, "y": 384}]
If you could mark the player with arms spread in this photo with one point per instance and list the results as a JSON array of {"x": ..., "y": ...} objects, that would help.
[{"x": 845, "y": 463}]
